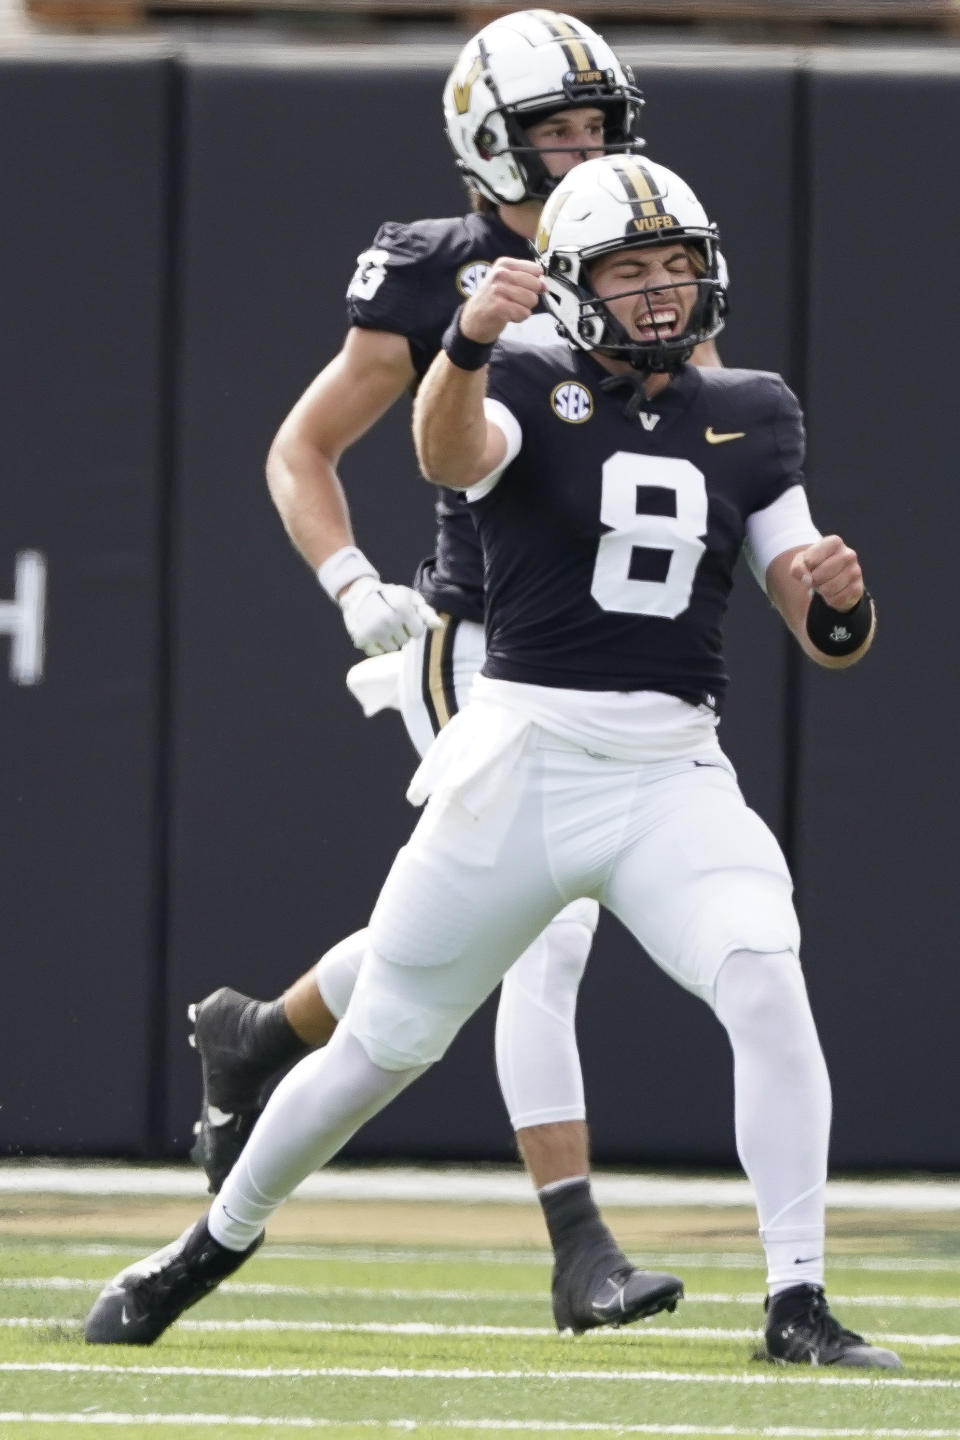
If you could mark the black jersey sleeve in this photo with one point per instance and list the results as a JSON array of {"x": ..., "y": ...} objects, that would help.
[
  {"x": 387, "y": 288},
  {"x": 790, "y": 442}
]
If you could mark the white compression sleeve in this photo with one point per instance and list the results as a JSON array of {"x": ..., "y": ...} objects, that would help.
[
  {"x": 782, "y": 1108},
  {"x": 309, "y": 1117},
  {"x": 538, "y": 1064}
]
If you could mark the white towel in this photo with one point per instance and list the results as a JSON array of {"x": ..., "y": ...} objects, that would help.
[
  {"x": 375, "y": 682},
  {"x": 472, "y": 757}
]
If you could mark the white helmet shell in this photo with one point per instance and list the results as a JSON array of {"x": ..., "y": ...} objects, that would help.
[
  {"x": 530, "y": 63},
  {"x": 612, "y": 203}
]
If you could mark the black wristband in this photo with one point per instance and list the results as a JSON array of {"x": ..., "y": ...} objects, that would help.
[
  {"x": 463, "y": 352},
  {"x": 835, "y": 632}
]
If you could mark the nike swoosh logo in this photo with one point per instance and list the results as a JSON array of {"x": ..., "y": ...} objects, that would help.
[
  {"x": 124, "y": 1317},
  {"x": 713, "y": 438},
  {"x": 807, "y": 1259},
  {"x": 613, "y": 1306}
]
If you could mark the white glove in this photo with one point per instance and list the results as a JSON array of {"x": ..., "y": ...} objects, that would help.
[{"x": 383, "y": 617}]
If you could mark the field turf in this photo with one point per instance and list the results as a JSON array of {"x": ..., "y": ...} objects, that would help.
[{"x": 433, "y": 1320}]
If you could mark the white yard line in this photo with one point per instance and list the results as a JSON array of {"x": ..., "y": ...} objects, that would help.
[
  {"x": 550, "y": 1427},
  {"x": 394, "y": 1372},
  {"x": 412, "y": 1255},
  {"x": 423, "y": 1327},
  {"x": 513, "y": 1297},
  {"x": 468, "y": 1185}
]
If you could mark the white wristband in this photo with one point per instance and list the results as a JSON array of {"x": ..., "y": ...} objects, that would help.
[{"x": 342, "y": 568}]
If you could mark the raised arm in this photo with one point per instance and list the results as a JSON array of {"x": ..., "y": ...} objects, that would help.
[
  {"x": 456, "y": 445},
  {"x": 346, "y": 399},
  {"x": 820, "y": 593}
]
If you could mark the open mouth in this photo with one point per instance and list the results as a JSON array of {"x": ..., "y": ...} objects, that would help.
[{"x": 662, "y": 323}]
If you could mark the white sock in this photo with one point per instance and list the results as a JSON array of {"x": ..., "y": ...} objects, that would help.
[
  {"x": 782, "y": 1108},
  {"x": 309, "y": 1117},
  {"x": 538, "y": 1063},
  {"x": 336, "y": 972}
]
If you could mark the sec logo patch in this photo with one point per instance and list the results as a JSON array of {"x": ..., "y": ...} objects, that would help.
[
  {"x": 469, "y": 277},
  {"x": 572, "y": 402}
]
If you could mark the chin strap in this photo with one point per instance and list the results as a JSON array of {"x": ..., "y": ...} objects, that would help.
[{"x": 633, "y": 383}]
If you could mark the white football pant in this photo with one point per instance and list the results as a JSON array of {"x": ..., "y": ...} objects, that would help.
[{"x": 671, "y": 848}]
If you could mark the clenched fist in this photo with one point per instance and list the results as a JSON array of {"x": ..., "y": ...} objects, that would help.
[
  {"x": 831, "y": 569},
  {"x": 510, "y": 291}
]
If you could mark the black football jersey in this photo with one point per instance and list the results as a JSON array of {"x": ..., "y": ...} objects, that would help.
[
  {"x": 410, "y": 282},
  {"x": 610, "y": 540}
]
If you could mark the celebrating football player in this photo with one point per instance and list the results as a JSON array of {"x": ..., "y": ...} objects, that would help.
[{"x": 613, "y": 486}]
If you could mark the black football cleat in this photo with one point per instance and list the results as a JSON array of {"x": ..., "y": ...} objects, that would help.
[
  {"x": 233, "y": 1085},
  {"x": 584, "y": 1298},
  {"x": 800, "y": 1330},
  {"x": 137, "y": 1305}
]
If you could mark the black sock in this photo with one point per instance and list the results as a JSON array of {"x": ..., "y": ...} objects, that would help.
[
  {"x": 575, "y": 1226},
  {"x": 266, "y": 1037}
]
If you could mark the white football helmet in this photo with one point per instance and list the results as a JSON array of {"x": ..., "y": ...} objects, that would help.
[
  {"x": 623, "y": 202},
  {"x": 520, "y": 69}
]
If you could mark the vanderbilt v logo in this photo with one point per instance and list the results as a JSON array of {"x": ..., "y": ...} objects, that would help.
[
  {"x": 462, "y": 88},
  {"x": 647, "y": 420}
]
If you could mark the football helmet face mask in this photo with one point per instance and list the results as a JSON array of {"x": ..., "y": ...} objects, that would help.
[
  {"x": 518, "y": 70},
  {"x": 624, "y": 203}
]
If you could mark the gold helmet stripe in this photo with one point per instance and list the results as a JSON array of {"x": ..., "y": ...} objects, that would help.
[
  {"x": 644, "y": 198},
  {"x": 579, "y": 55}
]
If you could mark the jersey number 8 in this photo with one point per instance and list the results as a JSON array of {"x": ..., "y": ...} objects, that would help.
[{"x": 656, "y": 508}]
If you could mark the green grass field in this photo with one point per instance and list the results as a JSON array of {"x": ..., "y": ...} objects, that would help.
[{"x": 434, "y": 1321}]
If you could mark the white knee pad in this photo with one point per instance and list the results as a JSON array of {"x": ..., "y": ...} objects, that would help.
[
  {"x": 336, "y": 972},
  {"x": 765, "y": 995},
  {"x": 405, "y": 1016}
]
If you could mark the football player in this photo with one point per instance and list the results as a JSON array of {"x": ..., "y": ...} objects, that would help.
[
  {"x": 530, "y": 96},
  {"x": 614, "y": 486}
]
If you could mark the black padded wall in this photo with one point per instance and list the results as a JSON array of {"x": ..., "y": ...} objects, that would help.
[
  {"x": 82, "y": 267},
  {"x": 877, "y": 812}
]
